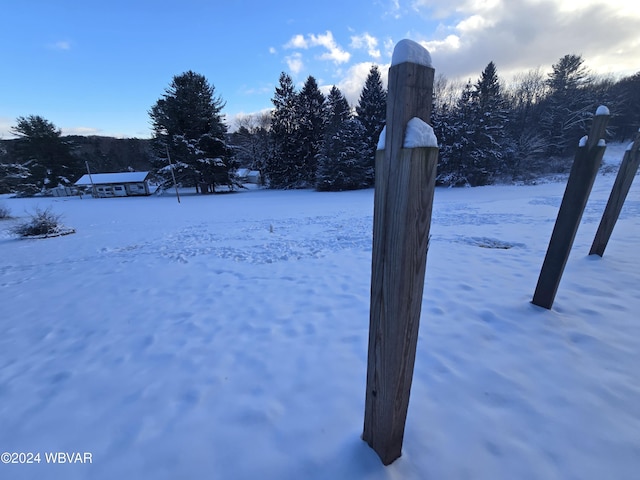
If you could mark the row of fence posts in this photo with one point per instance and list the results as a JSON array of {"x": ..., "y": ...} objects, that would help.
[
  {"x": 583, "y": 173},
  {"x": 403, "y": 201}
]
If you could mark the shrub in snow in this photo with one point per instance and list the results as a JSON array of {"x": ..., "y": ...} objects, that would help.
[
  {"x": 4, "y": 212},
  {"x": 42, "y": 224}
]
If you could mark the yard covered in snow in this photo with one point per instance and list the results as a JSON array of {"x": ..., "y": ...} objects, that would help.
[{"x": 226, "y": 337}]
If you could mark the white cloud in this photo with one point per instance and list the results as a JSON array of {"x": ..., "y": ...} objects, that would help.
[
  {"x": 84, "y": 131},
  {"x": 473, "y": 23},
  {"x": 450, "y": 44},
  {"x": 334, "y": 52},
  {"x": 60, "y": 45},
  {"x": 522, "y": 34},
  {"x": 393, "y": 10},
  {"x": 294, "y": 62},
  {"x": 272, "y": 50},
  {"x": 6, "y": 124},
  {"x": 389, "y": 45},
  {"x": 297, "y": 41},
  {"x": 368, "y": 42},
  {"x": 353, "y": 80}
]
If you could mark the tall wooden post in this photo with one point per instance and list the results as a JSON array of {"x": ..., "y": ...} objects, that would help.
[
  {"x": 583, "y": 174},
  {"x": 404, "y": 186},
  {"x": 621, "y": 187}
]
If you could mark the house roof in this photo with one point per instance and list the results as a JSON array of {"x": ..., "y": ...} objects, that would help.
[{"x": 104, "y": 178}]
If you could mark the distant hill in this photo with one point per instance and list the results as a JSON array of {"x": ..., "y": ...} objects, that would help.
[
  {"x": 107, "y": 154},
  {"x": 104, "y": 154}
]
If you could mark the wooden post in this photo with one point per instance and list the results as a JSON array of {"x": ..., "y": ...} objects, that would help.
[
  {"x": 94, "y": 192},
  {"x": 621, "y": 187},
  {"x": 173, "y": 175},
  {"x": 404, "y": 187},
  {"x": 583, "y": 174}
]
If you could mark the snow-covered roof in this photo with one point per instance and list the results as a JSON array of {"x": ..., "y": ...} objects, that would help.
[{"x": 123, "y": 177}]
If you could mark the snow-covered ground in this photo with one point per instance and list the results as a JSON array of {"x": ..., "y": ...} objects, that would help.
[{"x": 226, "y": 338}]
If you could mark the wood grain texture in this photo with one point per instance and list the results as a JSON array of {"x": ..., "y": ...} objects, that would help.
[
  {"x": 405, "y": 183},
  {"x": 583, "y": 174},
  {"x": 619, "y": 192}
]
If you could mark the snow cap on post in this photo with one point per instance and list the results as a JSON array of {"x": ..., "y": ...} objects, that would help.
[
  {"x": 602, "y": 110},
  {"x": 409, "y": 51},
  {"x": 419, "y": 134}
]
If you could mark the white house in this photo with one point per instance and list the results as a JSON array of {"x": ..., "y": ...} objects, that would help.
[
  {"x": 245, "y": 175},
  {"x": 125, "y": 184}
]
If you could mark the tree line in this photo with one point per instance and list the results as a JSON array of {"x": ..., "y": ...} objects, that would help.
[{"x": 487, "y": 130}]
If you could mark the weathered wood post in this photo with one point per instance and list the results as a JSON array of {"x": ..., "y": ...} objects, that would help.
[
  {"x": 621, "y": 187},
  {"x": 583, "y": 174},
  {"x": 404, "y": 187}
]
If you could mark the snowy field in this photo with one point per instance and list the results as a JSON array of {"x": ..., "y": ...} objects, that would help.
[{"x": 226, "y": 338}]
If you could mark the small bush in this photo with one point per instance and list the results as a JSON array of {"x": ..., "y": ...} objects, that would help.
[
  {"x": 43, "y": 223},
  {"x": 4, "y": 212}
]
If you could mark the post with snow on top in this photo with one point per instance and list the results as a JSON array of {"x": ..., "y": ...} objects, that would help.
[
  {"x": 621, "y": 187},
  {"x": 406, "y": 163},
  {"x": 583, "y": 174}
]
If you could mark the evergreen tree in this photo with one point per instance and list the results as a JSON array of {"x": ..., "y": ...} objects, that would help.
[
  {"x": 187, "y": 121},
  {"x": 282, "y": 167},
  {"x": 310, "y": 131},
  {"x": 491, "y": 118},
  {"x": 567, "y": 107},
  {"x": 342, "y": 164},
  {"x": 472, "y": 133},
  {"x": 45, "y": 154},
  {"x": 337, "y": 110},
  {"x": 460, "y": 158},
  {"x": 372, "y": 111},
  {"x": 627, "y": 118},
  {"x": 442, "y": 118}
]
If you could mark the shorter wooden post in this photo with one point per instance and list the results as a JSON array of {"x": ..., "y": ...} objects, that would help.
[
  {"x": 583, "y": 174},
  {"x": 621, "y": 187}
]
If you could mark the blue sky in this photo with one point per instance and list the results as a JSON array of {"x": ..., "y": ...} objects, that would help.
[{"x": 96, "y": 67}]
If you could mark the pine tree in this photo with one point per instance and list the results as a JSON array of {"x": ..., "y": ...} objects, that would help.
[
  {"x": 372, "y": 111},
  {"x": 42, "y": 150},
  {"x": 281, "y": 168},
  {"x": 490, "y": 138},
  {"x": 567, "y": 107},
  {"x": 310, "y": 132},
  {"x": 187, "y": 121},
  {"x": 342, "y": 164},
  {"x": 627, "y": 118},
  {"x": 337, "y": 110},
  {"x": 472, "y": 133},
  {"x": 462, "y": 160}
]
